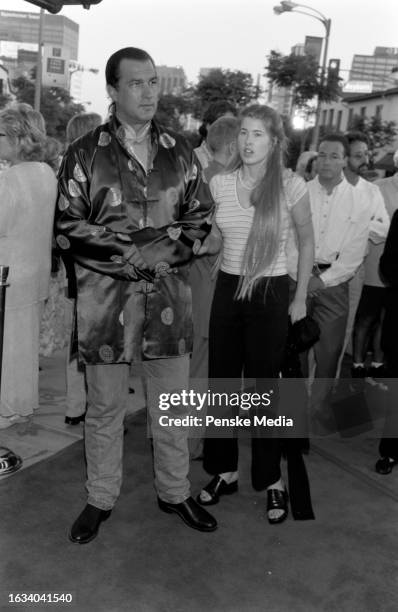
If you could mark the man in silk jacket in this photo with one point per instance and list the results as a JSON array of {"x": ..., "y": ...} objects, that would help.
[{"x": 131, "y": 209}]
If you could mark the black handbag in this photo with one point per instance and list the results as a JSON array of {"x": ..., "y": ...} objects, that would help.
[{"x": 303, "y": 334}]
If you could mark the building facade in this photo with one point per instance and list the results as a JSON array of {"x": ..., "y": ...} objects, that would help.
[
  {"x": 337, "y": 116},
  {"x": 172, "y": 79},
  {"x": 19, "y": 40},
  {"x": 376, "y": 68}
]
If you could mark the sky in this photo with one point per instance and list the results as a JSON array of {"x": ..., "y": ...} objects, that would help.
[{"x": 234, "y": 34}]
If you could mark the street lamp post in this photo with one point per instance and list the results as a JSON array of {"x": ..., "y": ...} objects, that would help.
[
  {"x": 39, "y": 70},
  {"x": 292, "y": 7}
]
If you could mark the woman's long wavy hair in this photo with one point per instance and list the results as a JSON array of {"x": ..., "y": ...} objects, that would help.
[
  {"x": 23, "y": 127},
  {"x": 264, "y": 238}
]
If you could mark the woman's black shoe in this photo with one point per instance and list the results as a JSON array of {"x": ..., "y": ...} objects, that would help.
[
  {"x": 216, "y": 487},
  {"x": 385, "y": 465},
  {"x": 277, "y": 500},
  {"x": 75, "y": 420}
]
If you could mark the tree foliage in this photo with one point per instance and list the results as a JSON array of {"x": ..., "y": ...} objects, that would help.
[
  {"x": 234, "y": 86},
  {"x": 379, "y": 132},
  {"x": 301, "y": 74},
  {"x": 56, "y": 105},
  {"x": 172, "y": 111}
]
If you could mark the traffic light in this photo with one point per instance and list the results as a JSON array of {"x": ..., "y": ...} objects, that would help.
[
  {"x": 333, "y": 71},
  {"x": 54, "y": 6}
]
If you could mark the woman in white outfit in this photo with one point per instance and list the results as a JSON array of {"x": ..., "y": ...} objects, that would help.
[{"x": 28, "y": 191}]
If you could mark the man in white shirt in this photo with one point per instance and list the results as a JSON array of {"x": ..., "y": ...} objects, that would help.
[
  {"x": 357, "y": 165},
  {"x": 341, "y": 219}
]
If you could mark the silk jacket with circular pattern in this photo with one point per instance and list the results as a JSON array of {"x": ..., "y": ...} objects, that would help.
[{"x": 107, "y": 203}]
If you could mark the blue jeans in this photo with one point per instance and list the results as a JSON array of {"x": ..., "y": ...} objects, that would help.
[{"x": 107, "y": 393}]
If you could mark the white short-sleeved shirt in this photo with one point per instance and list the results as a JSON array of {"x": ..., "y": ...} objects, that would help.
[{"x": 235, "y": 222}]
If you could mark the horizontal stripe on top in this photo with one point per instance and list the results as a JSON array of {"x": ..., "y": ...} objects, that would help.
[{"x": 235, "y": 222}]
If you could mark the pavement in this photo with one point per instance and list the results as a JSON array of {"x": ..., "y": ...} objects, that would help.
[
  {"x": 147, "y": 561},
  {"x": 45, "y": 433}
]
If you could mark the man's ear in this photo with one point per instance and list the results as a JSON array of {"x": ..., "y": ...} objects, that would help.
[{"x": 112, "y": 92}]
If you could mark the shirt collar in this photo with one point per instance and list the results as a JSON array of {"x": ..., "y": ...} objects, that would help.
[
  {"x": 130, "y": 134},
  {"x": 336, "y": 188}
]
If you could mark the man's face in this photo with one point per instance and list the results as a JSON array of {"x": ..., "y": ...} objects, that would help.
[
  {"x": 136, "y": 93},
  {"x": 331, "y": 160},
  {"x": 358, "y": 159}
]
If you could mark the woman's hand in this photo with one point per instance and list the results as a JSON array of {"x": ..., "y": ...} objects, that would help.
[{"x": 297, "y": 309}]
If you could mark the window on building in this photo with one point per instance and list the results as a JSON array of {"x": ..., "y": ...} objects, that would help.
[
  {"x": 379, "y": 110},
  {"x": 56, "y": 52},
  {"x": 363, "y": 111},
  {"x": 324, "y": 114},
  {"x": 339, "y": 118},
  {"x": 331, "y": 117}
]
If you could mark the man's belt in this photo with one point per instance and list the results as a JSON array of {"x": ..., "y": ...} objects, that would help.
[{"x": 318, "y": 268}]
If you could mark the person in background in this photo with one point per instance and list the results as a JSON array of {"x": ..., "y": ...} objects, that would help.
[
  {"x": 356, "y": 168},
  {"x": 76, "y": 394},
  {"x": 257, "y": 202},
  {"x": 388, "y": 448},
  {"x": 52, "y": 328},
  {"x": 221, "y": 108},
  {"x": 369, "y": 318},
  {"x": 221, "y": 141},
  {"x": 342, "y": 220},
  {"x": 28, "y": 191}
]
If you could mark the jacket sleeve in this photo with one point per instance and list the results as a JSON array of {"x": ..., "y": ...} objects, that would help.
[
  {"x": 172, "y": 244},
  {"x": 389, "y": 259}
]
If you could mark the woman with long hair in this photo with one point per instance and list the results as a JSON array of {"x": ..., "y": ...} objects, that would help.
[
  {"x": 258, "y": 203},
  {"x": 28, "y": 190}
]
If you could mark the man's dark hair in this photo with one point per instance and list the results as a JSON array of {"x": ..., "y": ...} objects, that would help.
[
  {"x": 113, "y": 64},
  {"x": 356, "y": 137},
  {"x": 215, "y": 111},
  {"x": 218, "y": 109},
  {"x": 337, "y": 138}
]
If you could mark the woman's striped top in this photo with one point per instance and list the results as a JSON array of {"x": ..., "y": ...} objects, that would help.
[{"x": 235, "y": 222}]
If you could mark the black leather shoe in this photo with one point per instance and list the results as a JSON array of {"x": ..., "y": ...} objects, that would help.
[
  {"x": 75, "y": 420},
  {"x": 277, "y": 500},
  {"x": 385, "y": 465},
  {"x": 86, "y": 526},
  {"x": 217, "y": 487},
  {"x": 191, "y": 513}
]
